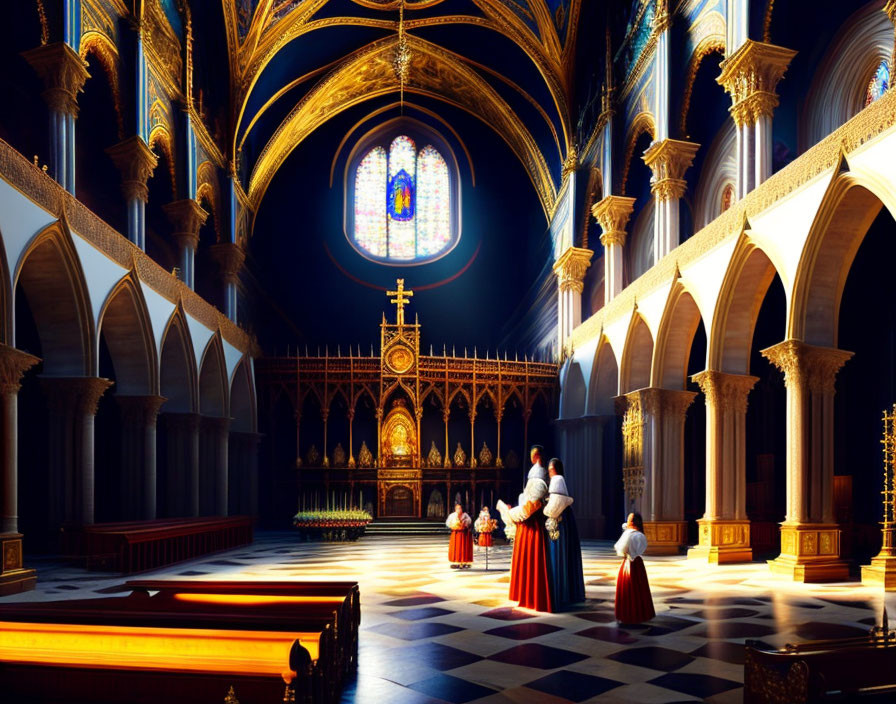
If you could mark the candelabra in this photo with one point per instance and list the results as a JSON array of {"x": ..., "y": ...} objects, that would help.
[{"x": 882, "y": 569}]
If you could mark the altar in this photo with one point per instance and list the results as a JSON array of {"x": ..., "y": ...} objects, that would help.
[{"x": 401, "y": 433}]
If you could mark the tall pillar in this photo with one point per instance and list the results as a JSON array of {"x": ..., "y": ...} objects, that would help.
[
  {"x": 612, "y": 214},
  {"x": 14, "y": 578},
  {"x": 724, "y": 534},
  {"x": 213, "y": 446},
  {"x": 750, "y": 76},
  {"x": 810, "y": 538},
  {"x": 72, "y": 402},
  {"x": 570, "y": 268},
  {"x": 136, "y": 162},
  {"x": 242, "y": 457},
  {"x": 668, "y": 159},
  {"x": 653, "y": 436},
  {"x": 229, "y": 257},
  {"x": 186, "y": 217},
  {"x": 181, "y": 463},
  {"x": 138, "y": 455},
  {"x": 63, "y": 73}
]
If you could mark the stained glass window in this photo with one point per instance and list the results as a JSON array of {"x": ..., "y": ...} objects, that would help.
[
  {"x": 402, "y": 202},
  {"x": 879, "y": 83}
]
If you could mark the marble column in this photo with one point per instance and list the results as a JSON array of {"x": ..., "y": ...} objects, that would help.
[
  {"x": 213, "y": 465},
  {"x": 242, "y": 457},
  {"x": 612, "y": 214},
  {"x": 136, "y": 162},
  {"x": 724, "y": 534},
  {"x": 63, "y": 73},
  {"x": 570, "y": 269},
  {"x": 14, "y": 578},
  {"x": 229, "y": 257},
  {"x": 653, "y": 437},
  {"x": 138, "y": 455},
  {"x": 72, "y": 403},
  {"x": 810, "y": 537},
  {"x": 186, "y": 217},
  {"x": 181, "y": 463},
  {"x": 668, "y": 159},
  {"x": 750, "y": 76}
]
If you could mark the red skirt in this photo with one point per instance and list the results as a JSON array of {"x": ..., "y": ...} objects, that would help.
[
  {"x": 460, "y": 549},
  {"x": 529, "y": 581},
  {"x": 485, "y": 540},
  {"x": 633, "y": 601}
]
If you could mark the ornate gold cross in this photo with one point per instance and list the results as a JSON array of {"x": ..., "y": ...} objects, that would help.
[{"x": 402, "y": 298}]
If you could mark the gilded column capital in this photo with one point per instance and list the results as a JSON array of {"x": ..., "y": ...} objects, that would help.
[
  {"x": 571, "y": 163},
  {"x": 229, "y": 257},
  {"x": 13, "y": 364},
  {"x": 750, "y": 76},
  {"x": 186, "y": 217},
  {"x": 725, "y": 392},
  {"x": 571, "y": 267},
  {"x": 136, "y": 161},
  {"x": 807, "y": 366},
  {"x": 668, "y": 159},
  {"x": 63, "y": 74},
  {"x": 890, "y": 9},
  {"x": 80, "y": 394},
  {"x": 612, "y": 214},
  {"x": 140, "y": 410}
]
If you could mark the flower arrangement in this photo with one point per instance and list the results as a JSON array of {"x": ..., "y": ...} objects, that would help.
[
  {"x": 332, "y": 525},
  {"x": 486, "y": 525}
]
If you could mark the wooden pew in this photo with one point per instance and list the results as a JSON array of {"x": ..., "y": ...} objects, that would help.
[
  {"x": 842, "y": 670},
  {"x": 174, "y": 647},
  {"x": 136, "y": 546}
]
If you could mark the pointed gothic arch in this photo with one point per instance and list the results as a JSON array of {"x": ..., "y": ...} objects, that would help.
[{"x": 125, "y": 325}]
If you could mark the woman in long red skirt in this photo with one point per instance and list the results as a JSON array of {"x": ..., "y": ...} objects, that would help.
[
  {"x": 633, "y": 601},
  {"x": 460, "y": 549}
]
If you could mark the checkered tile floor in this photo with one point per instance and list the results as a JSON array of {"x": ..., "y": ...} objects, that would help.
[{"x": 430, "y": 634}]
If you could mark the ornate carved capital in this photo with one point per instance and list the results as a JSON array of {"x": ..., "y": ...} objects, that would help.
[
  {"x": 139, "y": 410},
  {"x": 571, "y": 163},
  {"x": 668, "y": 160},
  {"x": 571, "y": 267},
  {"x": 890, "y": 9},
  {"x": 229, "y": 257},
  {"x": 13, "y": 363},
  {"x": 750, "y": 76},
  {"x": 612, "y": 214},
  {"x": 79, "y": 394},
  {"x": 63, "y": 73},
  {"x": 136, "y": 162},
  {"x": 725, "y": 392},
  {"x": 807, "y": 366},
  {"x": 186, "y": 217}
]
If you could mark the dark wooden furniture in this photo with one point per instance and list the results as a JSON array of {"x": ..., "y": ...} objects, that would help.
[
  {"x": 137, "y": 546},
  {"x": 184, "y": 642},
  {"x": 843, "y": 670}
]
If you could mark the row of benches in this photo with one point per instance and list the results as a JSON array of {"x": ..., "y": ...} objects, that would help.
[{"x": 184, "y": 642}]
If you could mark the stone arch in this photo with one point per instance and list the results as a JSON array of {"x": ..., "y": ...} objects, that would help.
[
  {"x": 604, "y": 386},
  {"x": 720, "y": 171},
  {"x": 711, "y": 44},
  {"x": 104, "y": 50},
  {"x": 674, "y": 339},
  {"x": 837, "y": 91},
  {"x": 643, "y": 122},
  {"x": 125, "y": 325},
  {"x": 641, "y": 243},
  {"x": 637, "y": 356},
  {"x": 750, "y": 273},
  {"x": 213, "y": 380},
  {"x": 51, "y": 278},
  {"x": 177, "y": 367},
  {"x": 843, "y": 219},
  {"x": 242, "y": 399},
  {"x": 574, "y": 392},
  {"x": 6, "y": 298},
  {"x": 208, "y": 191}
]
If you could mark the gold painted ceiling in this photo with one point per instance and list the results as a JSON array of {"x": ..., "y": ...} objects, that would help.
[{"x": 294, "y": 64}]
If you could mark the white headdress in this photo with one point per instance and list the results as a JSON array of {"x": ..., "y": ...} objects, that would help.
[
  {"x": 538, "y": 472},
  {"x": 558, "y": 485}
]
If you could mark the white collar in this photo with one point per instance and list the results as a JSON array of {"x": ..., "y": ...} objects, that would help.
[{"x": 558, "y": 485}]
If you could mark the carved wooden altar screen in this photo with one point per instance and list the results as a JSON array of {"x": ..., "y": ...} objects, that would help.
[{"x": 396, "y": 468}]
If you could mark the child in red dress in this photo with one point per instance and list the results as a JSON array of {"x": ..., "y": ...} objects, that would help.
[
  {"x": 460, "y": 549},
  {"x": 633, "y": 601},
  {"x": 485, "y": 524}
]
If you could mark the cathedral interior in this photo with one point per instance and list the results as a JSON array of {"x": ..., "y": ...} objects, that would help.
[{"x": 284, "y": 281}]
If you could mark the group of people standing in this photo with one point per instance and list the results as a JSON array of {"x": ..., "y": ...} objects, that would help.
[{"x": 546, "y": 570}]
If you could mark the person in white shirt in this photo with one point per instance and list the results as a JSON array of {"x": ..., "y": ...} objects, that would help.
[{"x": 633, "y": 601}]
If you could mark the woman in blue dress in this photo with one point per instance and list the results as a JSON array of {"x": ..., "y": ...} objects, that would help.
[{"x": 564, "y": 548}]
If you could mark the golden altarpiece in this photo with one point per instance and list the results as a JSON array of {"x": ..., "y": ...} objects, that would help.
[{"x": 400, "y": 381}]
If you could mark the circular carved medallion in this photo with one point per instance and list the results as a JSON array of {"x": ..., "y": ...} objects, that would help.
[{"x": 400, "y": 360}]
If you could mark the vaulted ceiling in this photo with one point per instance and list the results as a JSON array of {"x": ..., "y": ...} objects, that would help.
[{"x": 295, "y": 64}]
